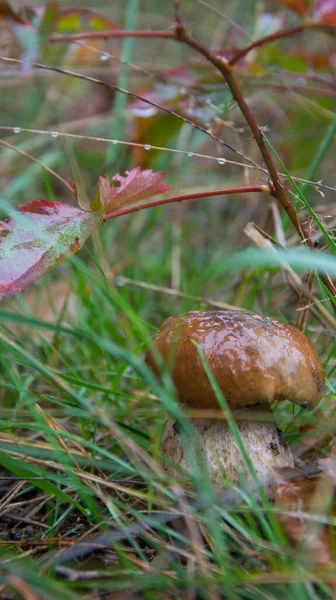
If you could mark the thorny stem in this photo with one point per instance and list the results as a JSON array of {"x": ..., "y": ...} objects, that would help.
[
  {"x": 223, "y": 66},
  {"x": 277, "y": 189},
  {"x": 170, "y": 34},
  {"x": 206, "y": 194}
]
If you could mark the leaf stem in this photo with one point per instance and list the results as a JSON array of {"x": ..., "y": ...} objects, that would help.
[{"x": 194, "y": 196}]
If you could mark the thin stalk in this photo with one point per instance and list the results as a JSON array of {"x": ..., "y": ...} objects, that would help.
[
  {"x": 111, "y": 33},
  {"x": 303, "y": 199},
  {"x": 118, "y": 110},
  {"x": 320, "y": 154},
  {"x": 111, "y": 86},
  {"x": 194, "y": 196}
]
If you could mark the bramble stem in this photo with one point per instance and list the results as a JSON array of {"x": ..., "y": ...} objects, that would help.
[
  {"x": 170, "y": 34},
  {"x": 195, "y": 196},
  {"x": 223, "y": 66}
]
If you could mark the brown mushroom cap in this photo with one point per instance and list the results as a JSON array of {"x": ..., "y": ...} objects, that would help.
[{"x": 254, "y": 358}]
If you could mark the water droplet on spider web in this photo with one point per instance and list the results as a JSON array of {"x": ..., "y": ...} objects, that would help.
[
  {"x": 104, "y": 56},
  {"x": 190, "y": 154},
  {"x": 147, "y": 146},
  {"x": 115, "y": 142},
  {"x": 54, "y": 134},
  {"x": 221, "y": 161},
  {"x": 16, "y": 129}
]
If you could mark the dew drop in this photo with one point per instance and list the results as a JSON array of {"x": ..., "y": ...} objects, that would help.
[
  {"x": 16, "y": 129},
  {"x": 104, "y": 56},
  {"x": 190, "y": 154},
  {"x": 149, "y": 111},
  {"x": 119, "y": 282},
  {"x": 114, "y": 142},
  {"x": 54, "y": 134},
  {"x": 147, "y": 147},
  {"x": 221, "y": 161}
]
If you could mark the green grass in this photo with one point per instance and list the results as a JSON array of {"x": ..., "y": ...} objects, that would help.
[{"x": 86, "y": 508}]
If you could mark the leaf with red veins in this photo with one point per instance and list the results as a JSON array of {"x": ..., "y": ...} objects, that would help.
[
  {"x": 41, "y": 235},
  {"x": 127, "y": 190},
  {"x": 325, "y": 11}
]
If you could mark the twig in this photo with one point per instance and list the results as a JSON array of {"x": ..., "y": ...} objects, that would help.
[
  {"x": 280, "y": 35},
  {"x": 111, "y": 86},
  {"x": 112, "y": 33}
]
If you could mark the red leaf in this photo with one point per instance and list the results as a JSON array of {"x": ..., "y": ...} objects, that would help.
[
  {"x": 325, "y": 11},
  {"x": 33, "y": 242},
  {"x": 41, "y": 207},
  {"x": 130, "y": 189}
]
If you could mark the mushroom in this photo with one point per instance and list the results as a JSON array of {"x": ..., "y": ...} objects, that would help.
[{"x": 255, "y": 360}]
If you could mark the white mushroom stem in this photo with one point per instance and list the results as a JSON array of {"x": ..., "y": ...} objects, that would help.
[{"x": 263, "y": 443}]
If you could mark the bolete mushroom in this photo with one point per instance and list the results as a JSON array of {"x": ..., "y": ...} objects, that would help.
[{"x": 255, "y": 360}]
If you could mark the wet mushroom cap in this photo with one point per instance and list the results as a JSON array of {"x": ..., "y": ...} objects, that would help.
[{"x": 254, "y": 358}]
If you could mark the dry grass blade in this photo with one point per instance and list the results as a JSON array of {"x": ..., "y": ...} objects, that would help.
[
  {"x": 15, "y": 489},
  {"x": 53, "y": 424},
  {"x": 263, "y": 241},
  {"x": 120, "y": 280},
  {"x": 305, "y": 301},
  {"x": 24, "y": 589},
  {"x": 33, "y": 159}
]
